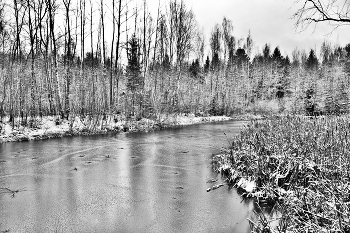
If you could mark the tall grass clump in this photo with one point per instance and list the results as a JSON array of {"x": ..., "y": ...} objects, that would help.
[{"x": 300, "y": 164}]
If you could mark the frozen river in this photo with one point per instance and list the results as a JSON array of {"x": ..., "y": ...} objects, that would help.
[{"x": 137, "y": 182}]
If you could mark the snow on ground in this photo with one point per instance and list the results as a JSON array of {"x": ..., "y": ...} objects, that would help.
[
  {"x": 52, "y": 127},
  {"x": 248, "y": 185}
]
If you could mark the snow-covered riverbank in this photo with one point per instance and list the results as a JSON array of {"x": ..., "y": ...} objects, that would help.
[{"x": 52, "y": 127}]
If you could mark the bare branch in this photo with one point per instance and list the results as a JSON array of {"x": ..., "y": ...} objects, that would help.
[{"x": 335, "y": 12}]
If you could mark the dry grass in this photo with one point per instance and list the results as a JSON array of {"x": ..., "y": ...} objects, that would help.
[{"x": 301, "y": 164}]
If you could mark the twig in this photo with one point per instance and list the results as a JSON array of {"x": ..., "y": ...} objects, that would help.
[{"x": 13, "y": 192}]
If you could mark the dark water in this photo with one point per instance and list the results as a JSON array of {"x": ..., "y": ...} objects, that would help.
[{"x": 141, "y": 182}]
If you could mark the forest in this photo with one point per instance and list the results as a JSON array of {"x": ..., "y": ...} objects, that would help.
[
  {"x": 83, "y": 58},
  {"x": 116, "y": 66}
]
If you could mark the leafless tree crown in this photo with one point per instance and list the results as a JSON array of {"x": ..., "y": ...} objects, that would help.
[{"x": 336, "y": 12}]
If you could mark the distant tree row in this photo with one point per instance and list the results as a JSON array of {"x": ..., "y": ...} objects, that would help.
[{"x": 56, "y": 60}]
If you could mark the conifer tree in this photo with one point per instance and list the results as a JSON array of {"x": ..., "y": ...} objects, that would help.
[
  {"x": 277, "y": 56},
  {"x": 266, "y": 53},
  {"x": 133, "y": 70},
  {"x": 207, "y": 65},
  {"x": 135, "y": 80},
  {"x": 312, "y": 61}
]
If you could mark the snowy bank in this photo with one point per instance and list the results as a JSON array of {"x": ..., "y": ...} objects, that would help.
[{"x": 53, "y": 127}]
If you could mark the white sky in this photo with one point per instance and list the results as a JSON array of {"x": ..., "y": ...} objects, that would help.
[{"x": 270, "y": 21}]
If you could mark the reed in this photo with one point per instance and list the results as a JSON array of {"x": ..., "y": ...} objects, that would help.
[{"x": 300, "y": 164}]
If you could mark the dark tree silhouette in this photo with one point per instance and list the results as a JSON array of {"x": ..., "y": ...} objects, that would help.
[
  {"x": 133, "y": 70},
  {"x": 215, "y": 62},
  {"x": 231, "y": 49},
  {"x": 166, "y": 63},
  {"x": 2, "y": 21},
  {"x": 287, "y": 65},
  {"x": 241, "y": 57},
  {"x": 266, "y": 53},
  {"x": 277, "y": 56},
  {"x": 347, "y": 49},
  {"x": 312, "y": 61},
  {"x": 347, "y": 61},
  {"x": 135, "y": 80},
  {"x": 207, "y": 65},
  {"x": 195, "y": 68},
  {"x": 90, "y": 60}
]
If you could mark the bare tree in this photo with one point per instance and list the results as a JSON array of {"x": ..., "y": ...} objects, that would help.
[
  {"x": 227, "y": 29},
  {"x": 144, "y": 39},
  {"x": 32, "y": 30},
  {"x": 91, "y": 33},
  {"x": 185, "y": 23},
  {"x": 215, "y": 45},
  {"x": 111, "y": 94},
  {"x": 68, "y": 57},
  {"x": 199, "y": 45},
  {"x": 19, "y": 25},
  {"x": 4, "y": 36},
  {"x": 117, "y": 46},
  {"x": 54, "y": 72},
  {"x": 315, "y": 11},
  {"x": 181, "y": 24},
  {"x": 103, "y": 33}
]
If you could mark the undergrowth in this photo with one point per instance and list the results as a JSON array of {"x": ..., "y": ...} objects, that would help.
[{"x": 299, "y": 164}]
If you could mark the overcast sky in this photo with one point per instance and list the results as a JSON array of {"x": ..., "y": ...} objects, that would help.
[{"x": 270, "y": 21}]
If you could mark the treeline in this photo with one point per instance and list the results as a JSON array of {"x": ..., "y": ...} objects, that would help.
[
  {"x": 304, "y": 84},
  {"x": 77, "y": 58}
]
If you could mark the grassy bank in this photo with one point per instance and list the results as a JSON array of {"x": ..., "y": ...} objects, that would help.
[
  {"x": 53, "y": 127},
  {"x": 301, "y": 165}
]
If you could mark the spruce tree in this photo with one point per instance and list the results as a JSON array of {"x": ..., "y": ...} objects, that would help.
[
  {"x": 135, "y": 80},
  {"x": 277, "y": 56},
  {"x": 266, "y": 53},
  {"x": 207, "y": 65},
  {"x": 133, "y": 70},
  {"x": 312, "y": 61}
]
